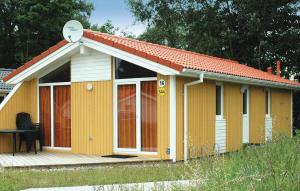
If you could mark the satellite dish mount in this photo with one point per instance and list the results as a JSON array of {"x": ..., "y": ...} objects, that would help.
[{"x": 73, "y": 31}]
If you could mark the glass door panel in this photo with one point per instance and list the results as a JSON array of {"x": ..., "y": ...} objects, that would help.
[
  {"x": 127, "y": 116},
  {"x": 62, "y": 116},
  {"x": 45, "y": 113},
  {"x": 149, "y": 116}
]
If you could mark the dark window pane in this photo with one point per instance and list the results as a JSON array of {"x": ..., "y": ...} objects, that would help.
[
  {"x": 267, "y": 102},
  {"x": 218, "y": 100},
  {"x": 245, "y": 98},
  {"x": 126, "y": 69},
  {"x": 61, "y": 74},
  {"x": 1, "y": 98}
]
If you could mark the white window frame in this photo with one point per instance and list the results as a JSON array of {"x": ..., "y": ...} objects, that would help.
[
  {"x": 268, "y": 114},
  {"x": 137, "y": 82},
  {"x": 221, "y": 116}
]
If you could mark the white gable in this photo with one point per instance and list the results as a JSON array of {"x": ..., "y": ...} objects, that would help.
[{"x": 94, "y": 66}]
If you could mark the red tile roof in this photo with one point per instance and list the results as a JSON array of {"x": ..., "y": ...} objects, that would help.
[{"x": 171, "y": 57}]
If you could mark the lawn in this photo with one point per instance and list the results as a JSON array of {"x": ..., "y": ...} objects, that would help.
[{"x": 273, "y": 166}]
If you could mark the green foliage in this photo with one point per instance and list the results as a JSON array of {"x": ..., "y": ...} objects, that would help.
[
  {"x": 253, "y": 32},
  {"x": 272, "y": 166},
  {"x": 28, "y": 27},
  {"x": 107, "y": 27}
]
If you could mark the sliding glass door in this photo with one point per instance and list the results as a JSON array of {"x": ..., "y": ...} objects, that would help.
[
  {"x": 55, "y": 114},
  {"x": 136, "y": 115}
]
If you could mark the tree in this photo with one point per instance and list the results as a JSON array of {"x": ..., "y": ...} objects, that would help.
[
  {"x": 28, "y": 27},
  {"x": 107, "y": 27},
  {"x": 255, "y": 33}
]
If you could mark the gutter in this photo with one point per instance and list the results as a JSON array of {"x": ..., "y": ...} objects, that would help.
[
  {"x": 185, "y": 108},
  {"x": 239, "y": 79}
]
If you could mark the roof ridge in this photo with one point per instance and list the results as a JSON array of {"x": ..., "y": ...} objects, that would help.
[{"x": 163, "y": 46}]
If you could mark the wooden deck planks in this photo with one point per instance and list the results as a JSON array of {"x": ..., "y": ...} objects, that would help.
[{"x": 51, "y": 159}]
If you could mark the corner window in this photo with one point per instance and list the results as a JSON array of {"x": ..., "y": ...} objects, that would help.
[
  {"x": 219, "y": 100},
  {"x": 126, "y": 69},
  {"x": 61, "y": 74},
  {"x": 245, "y": 102},
  {"x": 1, "y": 98},
  {"x": 267, "y": 102}
]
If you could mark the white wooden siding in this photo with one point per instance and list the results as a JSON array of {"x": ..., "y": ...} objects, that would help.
[
  {"x": 95, "y": 66},
  {"x": 268, "y": 124},
  {"x": 220, "y": 144}
]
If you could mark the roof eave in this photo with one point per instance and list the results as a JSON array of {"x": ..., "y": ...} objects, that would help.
[{"x": 239, "y": 79}]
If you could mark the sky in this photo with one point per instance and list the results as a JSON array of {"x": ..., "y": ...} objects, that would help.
[{"x": 118, "y": 12}]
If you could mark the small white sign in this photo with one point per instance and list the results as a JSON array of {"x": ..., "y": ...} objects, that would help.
[{"x": 162, "y": 83}]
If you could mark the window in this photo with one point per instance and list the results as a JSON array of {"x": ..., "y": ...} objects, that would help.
[
  {"x": 267, "y": 102},
  {"x": 245, "y": 102},
  {"x": 61, "y": 74},
  {"x": 1, "y": 98},
  {"x": 126, "y": 69},
  {"x": 219, "y": 100}
]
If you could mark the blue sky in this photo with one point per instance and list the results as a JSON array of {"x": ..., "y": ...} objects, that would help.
[{"x": 118, "y": 12}]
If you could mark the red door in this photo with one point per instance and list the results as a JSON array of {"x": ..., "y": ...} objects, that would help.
[
  {"x": 127, "y": 116},
  {"x": 149, "y": 116},
  {"x": 45, "y": 114},
  {"x": 62, "y": 116}
]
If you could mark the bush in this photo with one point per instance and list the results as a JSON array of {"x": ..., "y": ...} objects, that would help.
[{"x": 272, "y": 166}]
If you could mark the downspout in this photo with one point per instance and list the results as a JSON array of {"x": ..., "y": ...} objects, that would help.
[{"x": 185, "y": 115}]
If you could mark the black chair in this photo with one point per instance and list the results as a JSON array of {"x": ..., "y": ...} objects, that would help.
[
  {"x": 39, "y": 134},
  {"x": 24, "y": 122}
]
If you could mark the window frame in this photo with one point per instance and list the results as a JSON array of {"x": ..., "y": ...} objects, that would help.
[
  {"x": 39, "y": 78},
  {"x": 268, "y": 111},
  {"x": 117, "y": 76},
  {"x": 221, "y": 116}
]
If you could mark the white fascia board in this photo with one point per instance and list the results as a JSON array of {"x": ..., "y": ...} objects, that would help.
[
  {"x": 156, "y": 67},
  {"x": 173, "y": 129},
  {"x": 43, "y": 63},
  {"x": 238, "y": 79}
]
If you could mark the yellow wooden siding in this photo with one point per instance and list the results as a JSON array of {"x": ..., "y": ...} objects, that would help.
[
  {"x": 257, "y": 114},
  {"x": 201, "y": 118},
  {"x": 180, "y": 81},
  {"x": 233, "y": 109},
  {"x": 92, "y": 118},
  {"x": 281, "y": 112},
  {"x": 24, "y": 100},
  {"x": 163, "y": 119}
]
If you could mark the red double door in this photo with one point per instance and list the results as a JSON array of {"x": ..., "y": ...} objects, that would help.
[{"x": 57, "y": 134}]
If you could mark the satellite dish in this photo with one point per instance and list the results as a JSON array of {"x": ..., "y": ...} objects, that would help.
[{"x": 73, "y": 31}]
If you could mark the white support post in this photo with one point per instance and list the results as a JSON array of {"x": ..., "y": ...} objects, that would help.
[{"x": 173, "y": 118}]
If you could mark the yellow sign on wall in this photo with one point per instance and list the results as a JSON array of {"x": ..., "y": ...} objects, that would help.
[{"x": 162, "y": 91}]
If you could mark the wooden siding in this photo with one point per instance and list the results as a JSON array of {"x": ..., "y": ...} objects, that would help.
[
  {"x": 180, "y": 81},
  {"x": 281, "y": 112},
  {"x": 257, "y": 114},
  {"x": 90, "y": 67},
  {"x": 163, "y": 116},
  {"x": 92, "y": 118},
  {"x": 233, "y": 108},
  {"x": 24, "y": 100},
  {"x": 201, "y": 119}
]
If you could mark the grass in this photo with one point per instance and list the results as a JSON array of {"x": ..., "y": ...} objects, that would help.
[{"x": 273, "y": 166}]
